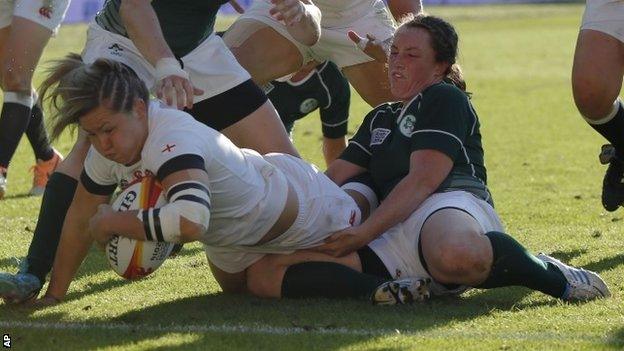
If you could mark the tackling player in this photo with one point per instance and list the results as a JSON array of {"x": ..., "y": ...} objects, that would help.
[
  {"x": 35, "y": 20},
  {"x": 436, "y": 218}
]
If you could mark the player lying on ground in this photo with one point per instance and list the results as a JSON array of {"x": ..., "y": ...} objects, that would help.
[
  {"x": 25, "y": 28},
  {"x": 436, "y": 218},
  {"x": 239, "y": 204},
  {"x": 185, "y": 64}
]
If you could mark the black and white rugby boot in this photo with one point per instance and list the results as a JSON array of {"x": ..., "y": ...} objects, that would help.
[{"x": 613, "y": 182}]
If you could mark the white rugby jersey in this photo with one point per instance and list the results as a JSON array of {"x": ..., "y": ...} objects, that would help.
[{"x": 247, "y": 193}]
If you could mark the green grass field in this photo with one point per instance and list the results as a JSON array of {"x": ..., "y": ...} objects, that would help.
[{"x": 543, "y": 172}]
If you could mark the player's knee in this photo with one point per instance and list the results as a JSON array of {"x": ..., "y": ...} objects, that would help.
[
  {"x": 593, "y": 101},
  {"x": 458, "y": 257},
  {"x": 13, "y": 80}
]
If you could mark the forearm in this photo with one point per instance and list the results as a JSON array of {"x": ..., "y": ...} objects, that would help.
[
  {"x": 72, "y": 250},
  {"x": 400, "y": 8},
  {"x": 402, "y": 201},
  {"x": 308, "y": 30},
  {"x": 126, "y": 224},
  {"x": 144, "y": 30},
  {"x": 332, "y": 148}
]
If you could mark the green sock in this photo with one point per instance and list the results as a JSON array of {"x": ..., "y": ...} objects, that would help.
[
  {"x": 57, "y": 197},
  {"x": 514, "y": 265},
  {"x": 329, "y": 280}
]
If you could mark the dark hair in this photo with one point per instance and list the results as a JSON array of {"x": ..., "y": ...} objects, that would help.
[
  {"x": 444, "y": 42},
  {"x": 73, "y": 88}
]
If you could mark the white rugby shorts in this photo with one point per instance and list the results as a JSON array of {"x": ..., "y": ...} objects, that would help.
[
  {"x": 398, "y": 247},
  {"x": 334, "y": 44},
  {"x": 605, "y": 16},
  {"x": 324, "y": 208},
  {"x": 211, "y": 66},
  {"x": 49, "y": 14}
]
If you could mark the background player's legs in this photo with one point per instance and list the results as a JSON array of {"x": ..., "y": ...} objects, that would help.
[
  {"x": 262, "y": 130},
  {"x": 18, "y": 61},
  {"x": 596, "y": 83},
  {"x": 370, "y": 79},
  {"x": 262, "y": 51},
  {"x": 57, "y": 197}
]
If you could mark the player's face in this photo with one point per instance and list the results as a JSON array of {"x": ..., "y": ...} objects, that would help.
[
  {"x": 118, "y": 136},
  {"x": 412, "y": 66}
]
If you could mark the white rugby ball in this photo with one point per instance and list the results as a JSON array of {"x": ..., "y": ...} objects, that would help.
[{"x": 134, "y": 259}]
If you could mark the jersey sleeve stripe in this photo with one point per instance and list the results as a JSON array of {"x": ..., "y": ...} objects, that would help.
[
  {"x": 146, "y": 226},
  {"x": 194, "y": 198},
  {"x": 179, "y": 163},
  {"x": 360, "y": 146},
  {"x": 95, "y": 188},
  {"x": 176, "y": 189},
  {"x": 334, "y": 124},
  {"x": 157, "y": 228}
]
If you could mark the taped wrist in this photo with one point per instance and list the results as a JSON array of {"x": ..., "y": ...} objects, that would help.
[
  {"x": 169, "y": 66},
  {"x": 190, "y": 200}
]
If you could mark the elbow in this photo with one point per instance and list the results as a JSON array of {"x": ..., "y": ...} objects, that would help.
[
  {"x": 312, "y": 38},
  {"x": 190, "y": 231}
]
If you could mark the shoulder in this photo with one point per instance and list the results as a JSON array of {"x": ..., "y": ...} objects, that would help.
[{"x": 445, "y": 91}]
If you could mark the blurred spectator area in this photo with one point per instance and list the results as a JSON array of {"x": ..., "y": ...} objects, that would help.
[{"x": 85, "y": 10}]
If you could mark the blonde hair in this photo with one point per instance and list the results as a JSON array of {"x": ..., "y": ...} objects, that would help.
[{"x": 73, "y": 88}]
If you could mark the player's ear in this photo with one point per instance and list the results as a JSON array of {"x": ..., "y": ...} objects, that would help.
[{"x": 139, "y": 107}]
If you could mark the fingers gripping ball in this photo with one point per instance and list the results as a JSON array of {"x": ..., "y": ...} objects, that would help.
[{"x": 134, "y": 259}]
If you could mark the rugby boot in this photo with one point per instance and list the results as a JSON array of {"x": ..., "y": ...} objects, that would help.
[
  {"x": 401, "y": 291},
  {"x": 583, "y": 285}
]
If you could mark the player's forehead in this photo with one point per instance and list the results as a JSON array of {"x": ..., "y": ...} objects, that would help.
[
  {"x": 98, "y": 118},
  {"x": 410, "y": 38}
]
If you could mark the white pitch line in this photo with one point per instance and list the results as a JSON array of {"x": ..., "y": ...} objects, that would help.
[
  {"x": 268, "y": 330},
  {"x": 243, "y": 329}
]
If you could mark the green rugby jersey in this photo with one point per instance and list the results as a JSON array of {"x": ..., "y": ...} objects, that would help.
[
  {"x": 440, "y": 118},
  {"x": 184, "y": 23},
  {"x": 325, "y": 88}
]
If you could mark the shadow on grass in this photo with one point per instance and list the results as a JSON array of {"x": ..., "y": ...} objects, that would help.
[
  {"x": 241, "y": 321},
  {"x": 616, "y": 339}
]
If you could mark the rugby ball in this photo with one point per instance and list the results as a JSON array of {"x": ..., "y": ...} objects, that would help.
[{"x": 134, "y": 259}]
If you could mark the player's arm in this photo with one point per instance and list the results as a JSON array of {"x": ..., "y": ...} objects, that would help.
[
  {"x": 302, "y": 19},
  {"x": 172, "y": 82},
  {"x": 231, "y": 283},
  {"x": 401, "y": 8},
  {"x": 183, "y": 219},
  {"x": 334, "y": 116},
  {"x": 332, "y": 148},
  {"x": 75, "y": 242}
]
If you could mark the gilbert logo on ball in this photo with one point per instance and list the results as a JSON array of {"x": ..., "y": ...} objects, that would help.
[{"x": 134, "y": 259}]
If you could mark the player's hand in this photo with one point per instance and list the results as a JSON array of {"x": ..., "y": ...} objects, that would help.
[
  {"x": 236, "y": 6},
  {"x": 97, "y": 224},
  {"x": 343, "y": 242},
  {"x": 173, "y": 85},
  {"x": 372, "y": 47},
  {"x": 288, "y": 11}
]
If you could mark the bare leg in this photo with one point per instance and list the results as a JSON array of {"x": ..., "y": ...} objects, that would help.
[
  {"x": 265, "y": 54},
  {"x": 262, "y": 131},
  {"x": 370, "y": 79},
  {"x": 455, "y": 248},
  {"x": 597, "y": 73}
]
